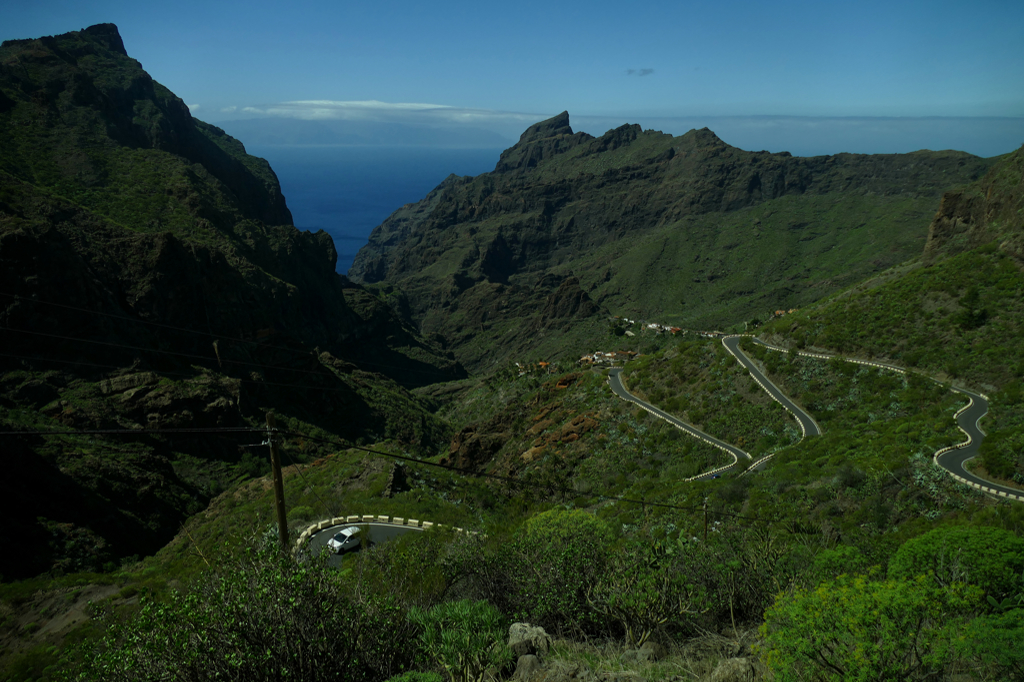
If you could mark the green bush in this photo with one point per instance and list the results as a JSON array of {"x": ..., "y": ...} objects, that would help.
[
  {"x": 263, "y": 617},
  {"x": 300, "y": 514},
  {"x": 543, "y": 573},
  {"x": 643, "y": 590},
  {"x": 465, "y": 638},
  {"x": 1002, "y": 452},
  {"x": 990, "y": 558},
  {"x": 860, "y": 629}
]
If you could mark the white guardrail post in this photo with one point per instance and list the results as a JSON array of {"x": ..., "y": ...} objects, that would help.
[
  {"x": 822, "y": 356},
  {"x": 359, "y": 519}
]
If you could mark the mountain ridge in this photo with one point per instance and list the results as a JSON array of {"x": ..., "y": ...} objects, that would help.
[
  {"x": 574, "y": 205},
  {"x": 153, "y": 280}
]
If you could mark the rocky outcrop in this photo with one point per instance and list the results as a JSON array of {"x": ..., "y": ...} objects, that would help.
[
  {"x": 525, "y": 639},
  {"x": 737, "y": 670},
  {"x": 992, "y": 208},
  {"x": 527, "y": 667},
  {"x": 471, "y": 448},
  {"x": 568, "y": 302},
  {"x": 541, "y": 141}
]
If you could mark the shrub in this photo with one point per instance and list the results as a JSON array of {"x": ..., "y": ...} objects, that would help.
[
  {"x": 860, "y": 629},
  {"x": 263, "y": 617},
  {"x": 544, "y": 573},
  {"x": 990, "y": 558},
  {"x": 465, "y": 638},
  {"x": 643, "y": 590},
  {"x": 300, "y": 514},
  {"x": 1001, "y": 452}
]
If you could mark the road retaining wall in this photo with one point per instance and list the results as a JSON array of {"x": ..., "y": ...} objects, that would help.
[{"x": 351, "y": 519}]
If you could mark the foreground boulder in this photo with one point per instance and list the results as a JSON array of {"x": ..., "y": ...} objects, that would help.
[{"x": 525, "y": 639}]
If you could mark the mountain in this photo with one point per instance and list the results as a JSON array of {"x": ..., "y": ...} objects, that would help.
[
  {"x": 990, "y": 209},
  {"x": 683, "y": 229},
  {"x": 152, "y": 279},
  {"x": 955, "y": 314}
]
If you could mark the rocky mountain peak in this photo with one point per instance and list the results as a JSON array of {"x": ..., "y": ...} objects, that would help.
[
  {"x": 108, "y": 35},
  {"x": 541, "y": 141},
  {"x": 556, "y": 125}
]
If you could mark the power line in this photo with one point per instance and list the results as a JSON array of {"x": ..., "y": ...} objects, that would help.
[
  {"x": 186, "y": 375},
  {"x": 131, "y": 432},
  {"x": 326, "y": 507},
  {"x": 340, "y": 443},
  {"x": 515, "y": 481},
  {"x": 221, "y": 337}
]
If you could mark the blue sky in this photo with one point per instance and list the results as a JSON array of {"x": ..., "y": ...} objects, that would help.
[{"x": 503, "y": 65}]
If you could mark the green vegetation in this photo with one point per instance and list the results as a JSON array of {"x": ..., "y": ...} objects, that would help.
[
  {"x": 857, "y": 628},
  {"x": 463, "y": 637},
  {"x": 851, "y": 554},
  {"x": 686, "y": 230},
  {"x": 958, "y": 320},
  {"x": 698, "y": 381},
  {"x": 264, "y": 617}
]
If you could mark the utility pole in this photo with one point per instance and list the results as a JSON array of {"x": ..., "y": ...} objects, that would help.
[
  {"x": 705, "y": 520},
  {"x": 275, "y": 464}
]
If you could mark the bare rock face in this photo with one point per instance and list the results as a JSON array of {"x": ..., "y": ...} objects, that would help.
[
  {"x": 527, "y": 667},
  {"x": 541, "y": 141},
  {"x": 958, "y": 225},
  {"x": 470, "y": 449},
  {"x": 525, "y": 639},
  {"x": 570, "y": 301},
  {"x": 990, "y": 208}
]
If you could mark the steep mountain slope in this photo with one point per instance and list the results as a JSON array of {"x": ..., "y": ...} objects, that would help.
[
  {"x": 958, "y": 313},
  {"x": 686, "y": 228},
  {"x": 990, "y": 209},
  {"x": 152, "y": 280}
]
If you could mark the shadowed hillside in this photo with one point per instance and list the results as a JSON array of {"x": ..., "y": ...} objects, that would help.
[{"x": 152, "y": 279}]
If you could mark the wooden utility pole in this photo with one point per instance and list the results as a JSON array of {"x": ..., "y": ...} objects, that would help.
[
  {"x": 705, "y": 520},
  {"x": 275, "y": 464}
]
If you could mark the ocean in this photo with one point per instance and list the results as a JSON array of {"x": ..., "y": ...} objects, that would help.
[{"x": 348, "y": 191}]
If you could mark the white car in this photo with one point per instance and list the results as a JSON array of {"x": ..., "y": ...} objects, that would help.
[{"x": 348, "y": 538}]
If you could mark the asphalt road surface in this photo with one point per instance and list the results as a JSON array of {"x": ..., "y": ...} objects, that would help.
[
  {"x": 968, "y": 420},
  {"x": 618, "y": 389},
  {"x": 377, "y": 532},
  {"x": 806, "y": 421},
  {"x": 954, "y": 460}
]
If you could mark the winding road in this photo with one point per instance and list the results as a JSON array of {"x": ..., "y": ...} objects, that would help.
[
  {"x": 615, "y": 381},
  {"x": 952, "y": 459},
  {"x": 377, "y": 532}
]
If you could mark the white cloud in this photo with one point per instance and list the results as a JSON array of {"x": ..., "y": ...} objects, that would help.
[
  {"x": 228, "y": 110},
  {"x": 396, "y": 112},
  {"x": 193, "y": 107}
]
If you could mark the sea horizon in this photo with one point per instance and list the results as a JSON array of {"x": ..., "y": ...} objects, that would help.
[{"x": 347, "y": 190}]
